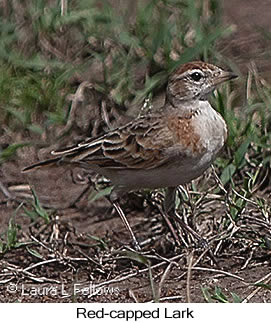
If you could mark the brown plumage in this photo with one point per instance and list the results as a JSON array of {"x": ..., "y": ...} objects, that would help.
[{"x": 163, "y": 149}]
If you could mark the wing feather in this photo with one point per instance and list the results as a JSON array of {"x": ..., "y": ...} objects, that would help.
[
  {"x": 141, "y": 144},
  {"x": 138, "y": 145}
]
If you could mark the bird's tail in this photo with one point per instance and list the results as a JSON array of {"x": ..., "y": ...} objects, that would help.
[{"x": 44, "y": 163}]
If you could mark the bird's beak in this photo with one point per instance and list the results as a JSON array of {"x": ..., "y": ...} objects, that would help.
[{"x": 225, "y": 76}]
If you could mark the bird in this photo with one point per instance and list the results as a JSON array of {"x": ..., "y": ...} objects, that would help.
[{"x": 164, "y": 148}]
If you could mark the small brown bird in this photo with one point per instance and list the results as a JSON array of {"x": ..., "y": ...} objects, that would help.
[{"x": 166, "y": 148}]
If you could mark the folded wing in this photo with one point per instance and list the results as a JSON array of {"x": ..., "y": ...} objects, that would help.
[{"x": 138, "y": 145}]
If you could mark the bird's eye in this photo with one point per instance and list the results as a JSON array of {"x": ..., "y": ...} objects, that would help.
[{"x": 196, "y": 76}]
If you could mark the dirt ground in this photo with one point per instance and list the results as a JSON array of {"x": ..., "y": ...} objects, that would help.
[{"x": 83, "y": 253}]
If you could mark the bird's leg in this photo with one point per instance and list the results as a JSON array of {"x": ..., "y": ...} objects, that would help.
[
  {"x": 114, "y": 197},
  {"x": 169, "y": 205},
  {"x": 114, "y": 200},
  {"x": 169, "y": 208},
  {"x": 170, "y": 199}
]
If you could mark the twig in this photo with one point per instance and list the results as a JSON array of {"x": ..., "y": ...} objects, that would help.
[
  {"x": 128, "y": 276},
  {"x": 77, "y": 98},
  {"x": 17, "y": 270},
  {"x": 218, "y": 271},
  {"x": 40, "y": 264},
  {"x": 167, "y": 298},
  {"x": 244, "y": 198},
  {"x": 165, "y": 274},
  {"x": 88, "y": 257},
  {"x": 105, "y": 115},
  {"x": 266, "y": 278},
  {"x": 64, "y": 7},
  {"x": 40, "y": 243},
  {"x": 196, "y": 262},
  {"x": 132, "y": 295},
  {"x": 249, "y": 258},
  {"x": 5, "y": 191},
  {"x": 189, "y": 275}
]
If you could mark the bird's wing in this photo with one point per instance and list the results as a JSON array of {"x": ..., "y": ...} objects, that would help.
[{"x": 140, "y": 144}]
